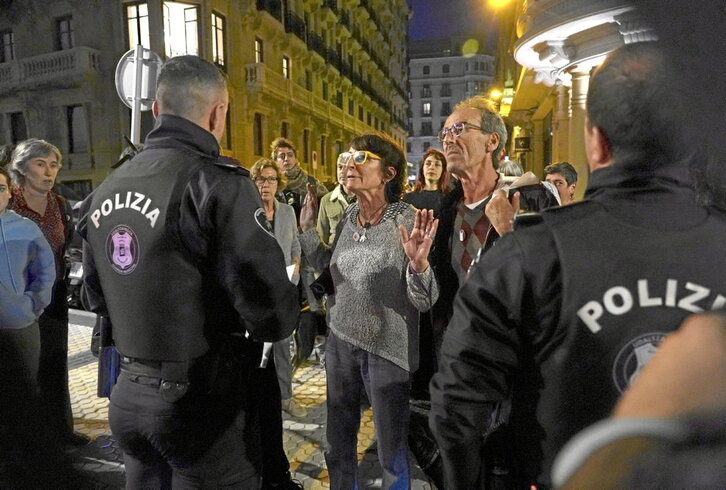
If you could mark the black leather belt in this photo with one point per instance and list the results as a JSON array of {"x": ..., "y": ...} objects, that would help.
[
  {"x": 150, "y": 371},
  {"x": 171, "y": 377},
  {"x": 142, "y": 379}
]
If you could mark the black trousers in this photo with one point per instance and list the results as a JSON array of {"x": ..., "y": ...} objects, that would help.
[
  {"x": 200, "y": 441},
  {"x": 54, "y": 396},
  {"x": 266, "y": 398},
  {"x": 30, "y": 457}
]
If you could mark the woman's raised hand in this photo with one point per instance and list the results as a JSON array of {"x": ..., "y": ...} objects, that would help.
[
  {"x": 418, "y": 245},
  {"x": 309, "y": 210}
]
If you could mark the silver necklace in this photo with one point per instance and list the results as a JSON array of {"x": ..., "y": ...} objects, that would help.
[{"x": 361, "y": 237}]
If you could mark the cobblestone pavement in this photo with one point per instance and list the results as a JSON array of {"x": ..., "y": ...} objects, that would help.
[{"x": 101, "y": 461}]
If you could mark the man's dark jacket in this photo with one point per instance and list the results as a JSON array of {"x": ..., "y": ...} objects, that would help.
[
  {"x": 193, "y": 265},
  {"x": 536, "y": 198},
  {"x": 562, "y": 315}
]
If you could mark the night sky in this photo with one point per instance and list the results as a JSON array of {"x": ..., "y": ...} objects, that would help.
[{"x": 433, "y": 19}]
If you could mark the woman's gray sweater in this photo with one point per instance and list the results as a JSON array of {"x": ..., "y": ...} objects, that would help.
[{"x": 377, "y": 296}]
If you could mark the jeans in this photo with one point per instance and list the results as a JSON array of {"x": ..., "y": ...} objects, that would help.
[
  {"x": 200, "y": 441},
  {"x": 387, "y": 385},
  {"x": 283, "y": 366}
]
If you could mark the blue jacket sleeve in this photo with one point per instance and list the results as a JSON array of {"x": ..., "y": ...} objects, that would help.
[{"x": 41, "y": 274}]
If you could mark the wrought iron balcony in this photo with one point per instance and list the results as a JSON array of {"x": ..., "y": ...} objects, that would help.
[
  {"x": 333, "y": 58},
  {"x": 274, "y": 7},
  {"x": 295, "y": 25},
  {"x": 316, "y": 43},
  {"x": 67, "y": 68}
]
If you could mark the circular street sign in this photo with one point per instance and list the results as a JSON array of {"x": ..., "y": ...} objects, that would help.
[{"x": 126, "y": 77}]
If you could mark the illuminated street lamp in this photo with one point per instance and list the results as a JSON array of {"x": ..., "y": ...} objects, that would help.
[{"x": 497, "y": 4}]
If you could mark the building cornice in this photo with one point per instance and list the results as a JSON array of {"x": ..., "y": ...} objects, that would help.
[{"x": 561, "y": 36}]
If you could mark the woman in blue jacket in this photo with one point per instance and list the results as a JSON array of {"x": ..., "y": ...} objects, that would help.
[{"x": 27, "y": 273}]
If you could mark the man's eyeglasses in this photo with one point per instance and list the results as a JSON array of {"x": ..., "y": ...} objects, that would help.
[
  {"x": 456, "y": 129},
  {"x": 262, "y": 180},
  {"x": 283, "y": 155},
  {"x": 359, "y": 157}
]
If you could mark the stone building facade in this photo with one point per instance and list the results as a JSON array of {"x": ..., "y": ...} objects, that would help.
[{"x": 315, "y": 71}]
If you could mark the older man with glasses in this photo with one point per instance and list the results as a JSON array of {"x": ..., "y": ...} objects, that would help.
[
  {"x": 474, "y": 214},
  {"x": 473, "y": 138}
]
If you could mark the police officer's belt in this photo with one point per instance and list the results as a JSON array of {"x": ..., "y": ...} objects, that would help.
[{"x": 172, "y": 377}]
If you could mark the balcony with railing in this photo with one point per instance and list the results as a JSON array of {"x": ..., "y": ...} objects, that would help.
[
  {"x": 316, "y": 44},
  {"x": 61, "y": 69},
  {"x": 259, "y": 77},
  {"x": 295, "y": 25},
  {"x": 333, "y": 58},
  {"x": 273, "y": 7}
]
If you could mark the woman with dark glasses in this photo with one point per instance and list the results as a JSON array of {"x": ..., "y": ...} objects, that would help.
[{"x": 381, "y": 280}]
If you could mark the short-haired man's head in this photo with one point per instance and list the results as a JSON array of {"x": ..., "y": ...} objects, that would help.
[
  {"x": 264, "y": 163},
  {"x": 27, "y": 150},
  {"x": 391, "y": 155},
  {"x": 443, "y": 183},
  {"x": 281, "y": 143},
  {"x": 188, "y": 85},
  {"x": 564, "y": 169},
  {"x": 630, "y": 99},
  {"x": 491, "y": 121}
]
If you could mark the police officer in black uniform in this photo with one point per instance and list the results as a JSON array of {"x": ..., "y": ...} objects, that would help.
[
  {"x": 177, "y": 253},
  {"x": 562, "y": 315}
]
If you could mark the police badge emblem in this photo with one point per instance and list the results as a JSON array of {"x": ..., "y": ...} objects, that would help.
[
  {"x": 122, "y": 250},
  {"x": 633, "y": 357}
]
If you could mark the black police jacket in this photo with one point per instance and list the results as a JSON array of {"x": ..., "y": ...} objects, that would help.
[
  {"x": 561, "y": 316},
  {"x": 177, "y": 251}
]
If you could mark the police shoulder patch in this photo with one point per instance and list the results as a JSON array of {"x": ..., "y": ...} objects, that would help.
[{"x": 633, "y": 357}]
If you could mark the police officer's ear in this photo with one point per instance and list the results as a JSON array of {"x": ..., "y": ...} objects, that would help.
[
  {"x": 155, "y": 109},
  {"x": 217, "y": 119},
  {"x": 597, "y": 147}
]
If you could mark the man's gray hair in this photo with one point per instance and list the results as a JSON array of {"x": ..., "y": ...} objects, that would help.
[
  {"x": 491, "y": 121},
  {"x": 187, "y": 85},
  {"x": 26, "y": 151}
]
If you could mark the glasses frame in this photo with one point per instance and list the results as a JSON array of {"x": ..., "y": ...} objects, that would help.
[
  {"x": 261, "y": 180},
  {"x": 347, "y": 155},
  {"x": 456, "y": 132}
]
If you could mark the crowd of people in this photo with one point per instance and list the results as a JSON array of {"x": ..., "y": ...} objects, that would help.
[{"x": 513, "y": 315}]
